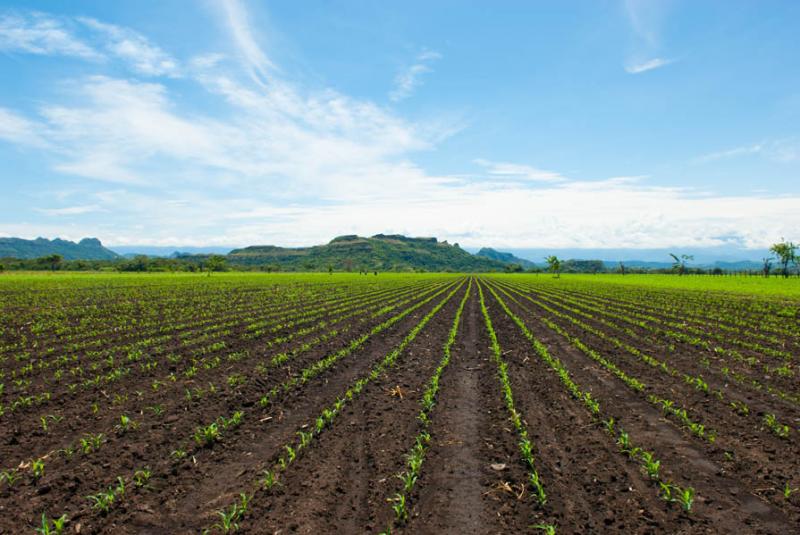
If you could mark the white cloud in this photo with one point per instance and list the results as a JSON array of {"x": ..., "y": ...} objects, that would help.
[
  {"x": 37, "y": 33},
  {"x": 253, "y": 57},
  {"x": 648, "y": 65},
  {"x": 407, "y": 81},
  {"x": 206, "y": 61},
  {"x": 20, "y": 130},
  {"x": 133, "y": 48},
  {"x": 777, "y": 150},
  {"x": 71, "y": 210},
  {"x": 646, "y": 19},
  {"x": 277, "y": 163},
  {"x": 517, "y": 171},
  {"x": 84, "y": 38}
]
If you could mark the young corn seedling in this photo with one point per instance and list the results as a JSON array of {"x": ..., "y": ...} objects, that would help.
[
  {"x": 90, "y": 443},
  {"x": 49, "y": 417},
  {"x": 624, "y": 442},
  {"x": 399, "y": 507},
  {"x": 228, "y": 518},
  {"x": 37, "y": 469},
  {"x": 53, "y": 526},
  {"x": 178, "y": 454},
  {"x": 777, "y": 428},
  {"x": 206, "y": 436},
  {"x": 125, "y": 424},
  {"x": 651, "y": 465},
  {"x": 685, "y": 497},
  {"x": 788, "y": 490},
  {"x": 609, "y": 425},
  {"x": 10, "y": 476},
  {"x": 269, "y": 480},
  {"x": 305, "y": 439},
  {"x": 102, "y": 501},
  {"x": 740, "y": 407},
  {"x": 549, "y": 529},
  {"x": 292, "y": 453},
  {"x": 141, "y": 477}
]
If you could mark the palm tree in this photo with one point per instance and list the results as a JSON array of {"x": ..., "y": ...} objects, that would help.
[{"x": 680, "y": 263}]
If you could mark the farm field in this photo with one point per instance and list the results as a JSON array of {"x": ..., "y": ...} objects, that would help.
[{"x": 425, "y": 403}]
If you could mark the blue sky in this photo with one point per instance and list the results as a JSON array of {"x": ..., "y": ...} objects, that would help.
[{"x": 586, "y": 124}]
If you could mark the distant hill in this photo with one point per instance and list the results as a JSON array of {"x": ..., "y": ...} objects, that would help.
[
  {"x": 86, "y": 249},
  {"x": 506, "y": 258},
  {"x": 380, "y": 252},
  {"x": 129, "y": 251}
]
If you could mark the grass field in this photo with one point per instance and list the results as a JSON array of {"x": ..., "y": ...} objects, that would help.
[{"x": 426, "y": 403}]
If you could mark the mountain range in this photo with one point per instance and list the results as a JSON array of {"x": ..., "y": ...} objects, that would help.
[
  {"x": 377, "y": 253},
  {"x": 86, "y": 249}
]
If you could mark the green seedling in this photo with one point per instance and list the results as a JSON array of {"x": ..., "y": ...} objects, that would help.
[
  {"x": 205, "y": 436},
  {"x": 399, "y": 507},
  {"x": 90, "y": 443},
  {"x": 269, "y": 480},
  {"x": 37, "y": 469},
  {"x": 102, "y": 501},
  {"x": 651, "y": 465},
  {"x": 141, "y": 477},
  {"x": 53, "y": 526},
  {"x": 10, "y": 476}
]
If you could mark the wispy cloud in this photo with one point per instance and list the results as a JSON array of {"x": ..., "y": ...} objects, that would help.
[
  {"x": 507, "y": 170},
  {"x": 38, "y": 33},
  {"x": 778, "y": 150},
  {"x": 133, "y": 48},
  {"x": 20, "y": 130},
  {"x": 83, "y": 38},
  {"x": 649, "y": 65},
  {"x": 272, "y": 161},
  {"x": 253, "y": 57},
  {"x": 646, "y": 18},
  {"x": 407, "y": 80},
  {"x": 71, "y": 210}
]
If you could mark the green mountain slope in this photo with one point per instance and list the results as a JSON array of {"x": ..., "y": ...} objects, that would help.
[
  {"x": 506, "y": 258},
  {"x": 86, "y": 249},
  {"x": 378, "y": 253}
]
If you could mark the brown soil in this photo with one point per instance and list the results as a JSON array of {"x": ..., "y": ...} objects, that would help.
[{"x": 472, "y": 480}]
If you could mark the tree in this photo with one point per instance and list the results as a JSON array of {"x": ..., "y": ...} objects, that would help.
[
  {"x": 767, "y": 266},
  {"x": 554, "y": 264},
  {"x": 680, "y": 263},
  {"x": 622, "y": 268},
  {"x": 2, "y": 268},
  {"x": 52, "y": 261},
  {"x": 215, "y": 262},
  {"x": 786, "y": 252},
  {"x": 514, "y": 268}
]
